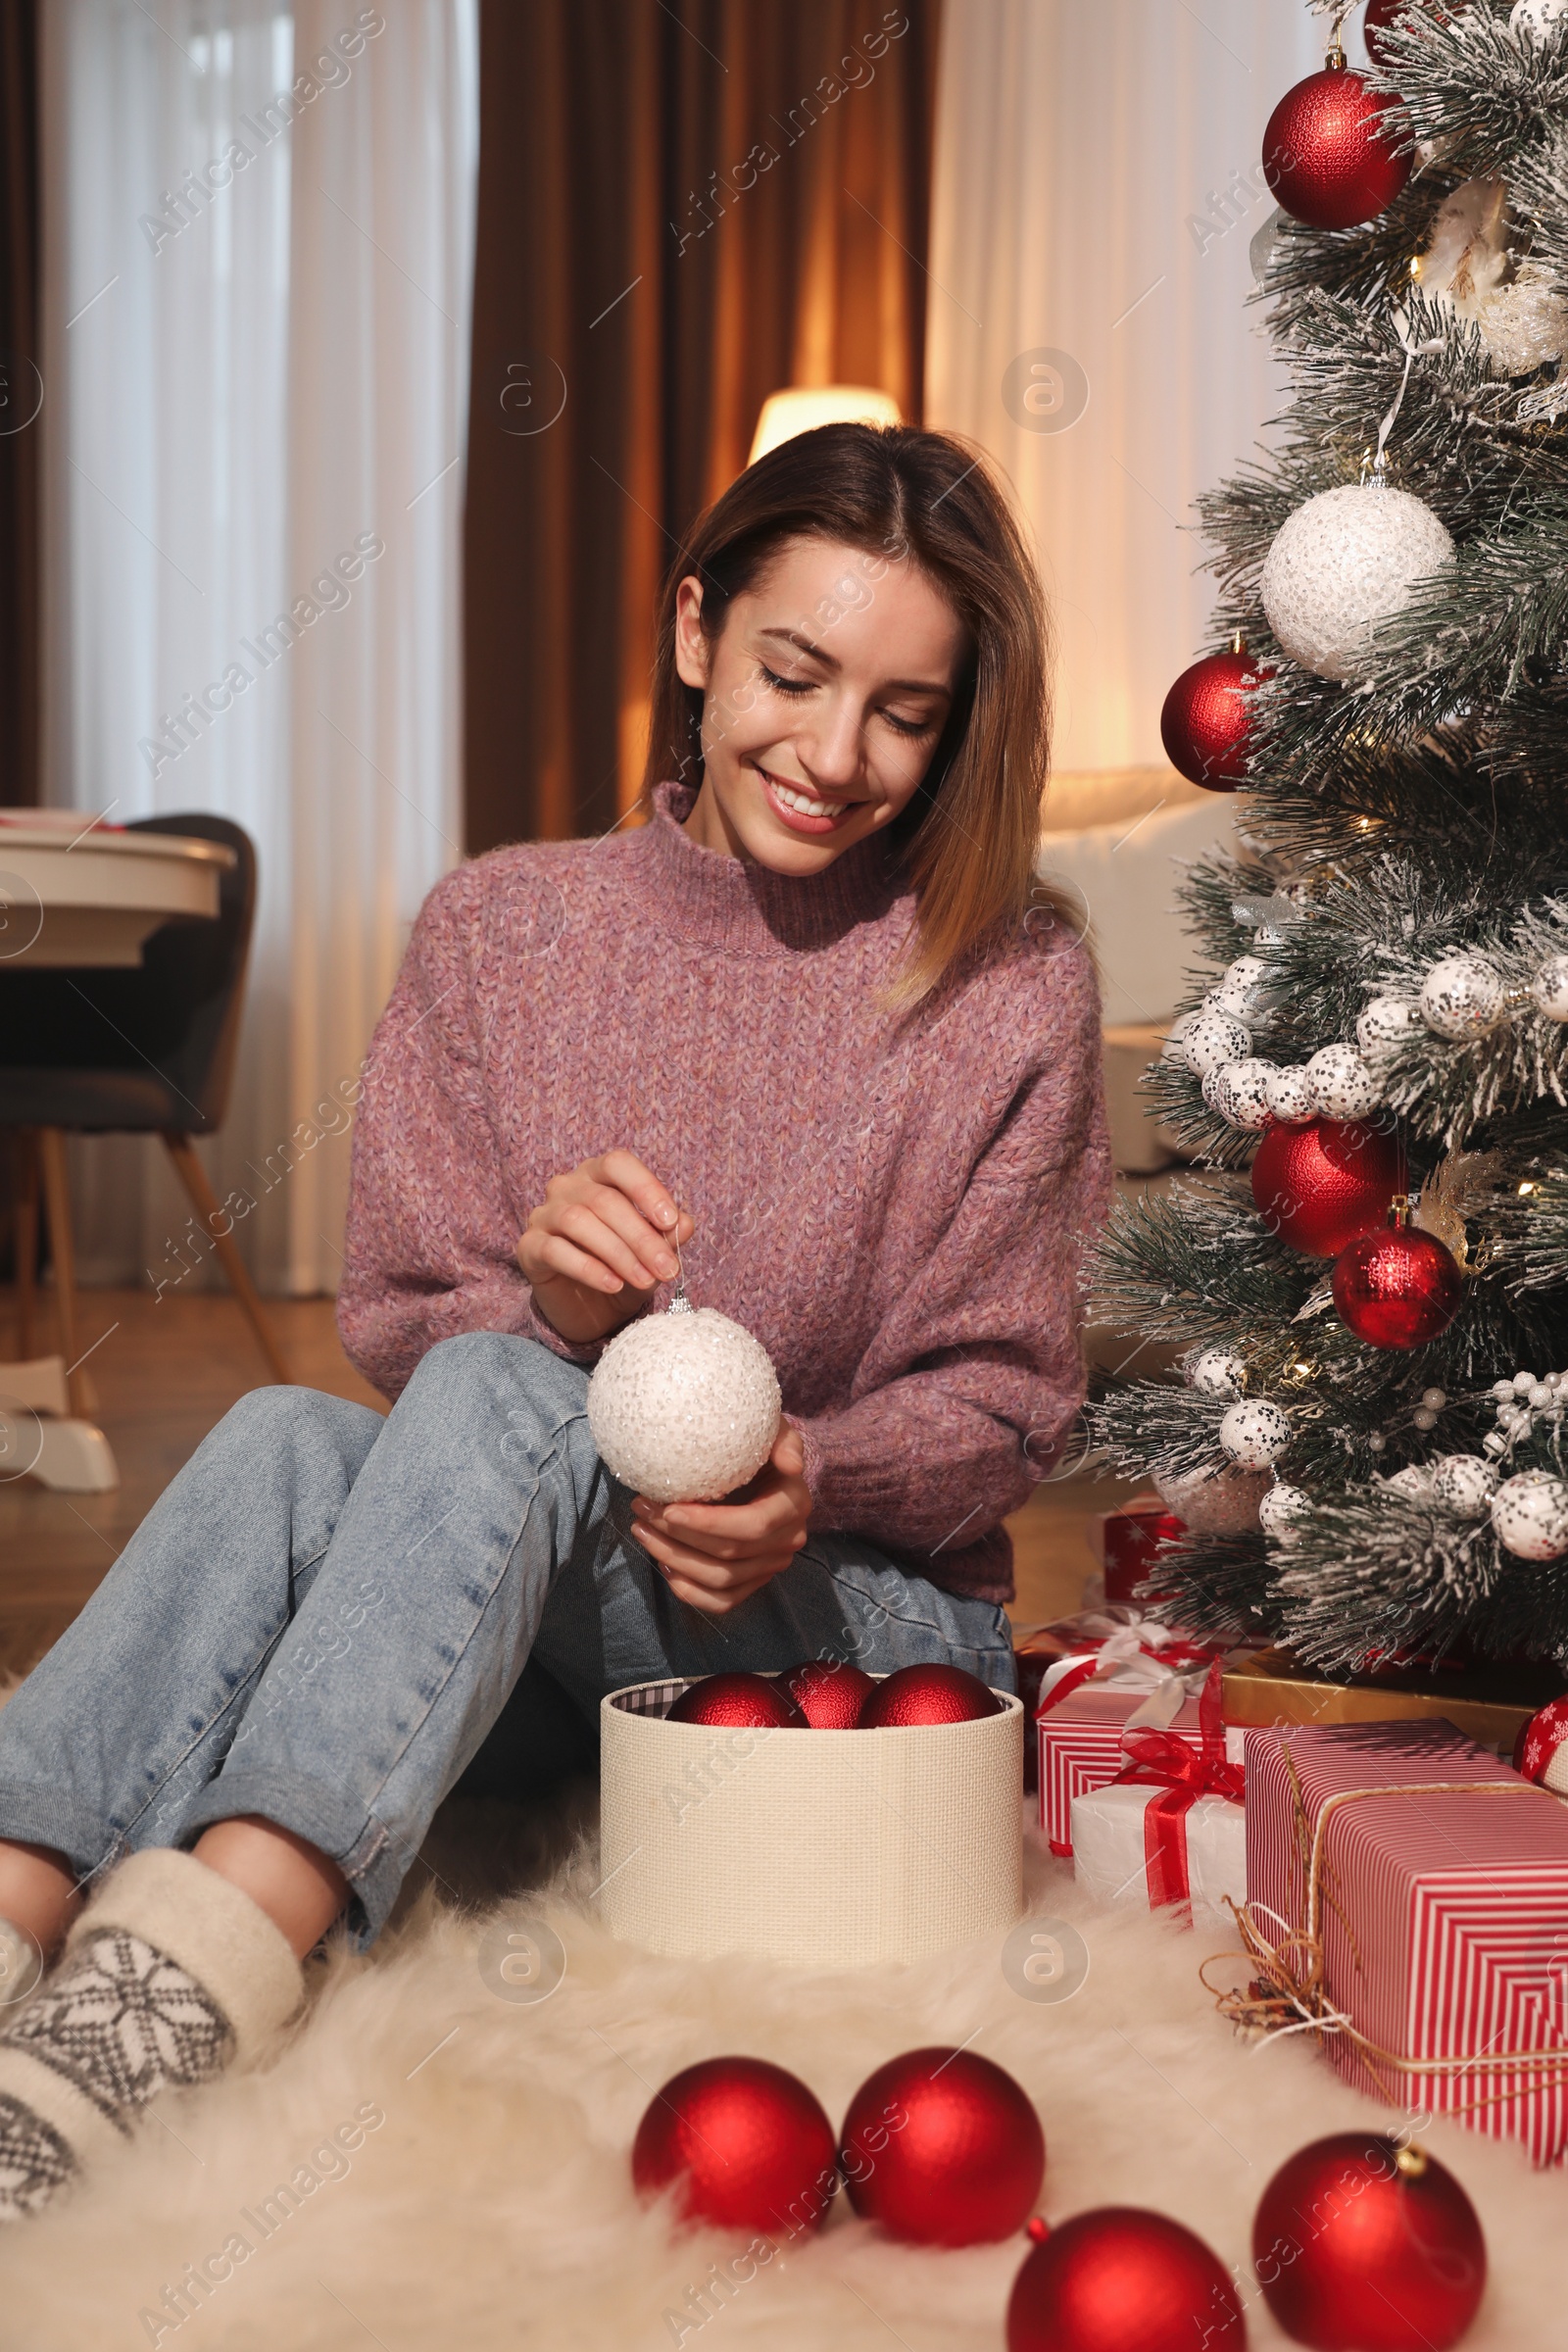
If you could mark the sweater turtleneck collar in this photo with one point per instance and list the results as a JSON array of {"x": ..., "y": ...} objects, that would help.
[{"x": 713, "y": 900}]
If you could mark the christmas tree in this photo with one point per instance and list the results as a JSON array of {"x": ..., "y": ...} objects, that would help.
[{"x": 1367, "y": 1266}]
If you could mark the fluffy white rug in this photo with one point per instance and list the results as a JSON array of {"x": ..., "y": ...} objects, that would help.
[{"x": 493, "y": 2207}]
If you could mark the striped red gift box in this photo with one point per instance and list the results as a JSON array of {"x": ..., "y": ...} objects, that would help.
[
  {"x": 1080, "y": 1749},
  {"x": 1432, "y": 1882}
]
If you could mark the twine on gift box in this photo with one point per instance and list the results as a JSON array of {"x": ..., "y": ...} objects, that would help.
[{"x": 1289, "y": 1994}]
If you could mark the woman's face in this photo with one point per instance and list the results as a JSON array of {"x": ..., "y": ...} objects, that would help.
[{"x": 825, "y": 699}]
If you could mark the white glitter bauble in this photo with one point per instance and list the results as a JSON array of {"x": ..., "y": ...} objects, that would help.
[
  {"x": 684, "y": 1406},
  {"x": 1213, "y": 1038},
  {"x": 1540, "y": 17},
  {"x": 1241, "y": 1094},
  {"x": 1213, "y": 1088},
  {"x": 1343, "y": 562},
  {"x": 1173, "y": 1047},
  {"x": 1387, "y": 1023},
  {"x": 1530, "y": 1514},
  {"x": 1279, "y": 1510},
  {"x": 1291, "y": 1097},
  {"x": 1413, "y": 1482},
  {"x": 1524, "y": 324},
  {"x": 1238, "y": 986},
  {"x": 1464, "y": 1484},
  {"x": 1549, "y": 987},
  {"x": 1214, "y": 1503},
  {"x": 1462, "y": 996},
  {"x": 1216, "y": 1372},
  {"x": 1344, "y": 1087},
  {"x": 1254, "y": 1435}
]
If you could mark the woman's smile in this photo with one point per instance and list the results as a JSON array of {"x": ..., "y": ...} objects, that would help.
[{"x": 800, "y": 809}]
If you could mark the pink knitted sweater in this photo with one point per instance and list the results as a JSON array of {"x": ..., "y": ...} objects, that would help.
[{"x": 895, "y": 1208}]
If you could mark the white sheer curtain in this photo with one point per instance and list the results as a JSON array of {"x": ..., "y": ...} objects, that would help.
[
  {"x": 1096, "y": 191},
  {"x": 257, "y": 396}
]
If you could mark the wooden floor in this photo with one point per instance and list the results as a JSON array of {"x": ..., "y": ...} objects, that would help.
[{"x": 167, "y": 1370}]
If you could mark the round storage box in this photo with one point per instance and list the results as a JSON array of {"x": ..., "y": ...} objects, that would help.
[{"x": 820, "y": 1850}]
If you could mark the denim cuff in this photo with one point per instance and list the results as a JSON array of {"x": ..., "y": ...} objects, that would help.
[
  {"x": 37, "y": 1816},
  {"x": 370, "y": 1857}
]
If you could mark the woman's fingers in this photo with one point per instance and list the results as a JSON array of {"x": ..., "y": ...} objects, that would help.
[
  {"x": 574, "y": 1221},
  {"x": 656, "y": 1258},
  {"x": 625, "y": 1171},
  {"x": 545, "y": 1258},
  {"x": 703, "y": 1569},
  {"x": 711, "y": 1604}
]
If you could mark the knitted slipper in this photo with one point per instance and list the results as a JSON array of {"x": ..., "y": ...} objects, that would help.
[{"x": 169, "y": 1976}]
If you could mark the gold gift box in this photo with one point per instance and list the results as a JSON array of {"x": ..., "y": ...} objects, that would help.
[{"x": 1491, "y": 1704}]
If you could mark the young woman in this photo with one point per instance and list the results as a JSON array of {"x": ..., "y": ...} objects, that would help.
[{"x": 811, "y": 1027}]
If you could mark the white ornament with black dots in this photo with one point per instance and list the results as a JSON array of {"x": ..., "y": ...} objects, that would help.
[{"x": 1255, "y": 1434}]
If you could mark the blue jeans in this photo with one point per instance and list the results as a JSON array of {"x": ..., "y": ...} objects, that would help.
[{"x": 328, "y": 1616}]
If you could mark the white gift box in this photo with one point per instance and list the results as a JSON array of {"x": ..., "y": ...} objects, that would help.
[{"x": 1110, "y": 1856}]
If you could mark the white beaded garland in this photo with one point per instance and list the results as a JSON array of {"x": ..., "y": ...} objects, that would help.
[
  {"x": 1341, "y": 563},
  {"x": 1462, "y": 996},
  {"x": 1242, "y": 1093},
  {"x": 1548, "y": 989},
  {"x": 1291, "y": 1096},
  {"x": 1213, "y": 1038},
  {"x": 1238, "y": 986},
  {"x": 1254, "y": 1435},
  {"x": 1530, "y": 1514},
  {"x": 1344, "y": 1087},
  {"x": 684, "y": 1406},
  {"x": 1463, "y": 1484},
  {"x": 1280, "y": 1510},
  {"x": 1387, "y": 1023},
  {"x": 1216, "y": 1372}
]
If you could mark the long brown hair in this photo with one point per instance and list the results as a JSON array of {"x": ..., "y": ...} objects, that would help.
[{"x": 970, "y": 835}]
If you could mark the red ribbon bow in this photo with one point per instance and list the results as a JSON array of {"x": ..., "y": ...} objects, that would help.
[
  {"x": 1182, "y": 1774},
  {"x": 1177, "y": 1655}
]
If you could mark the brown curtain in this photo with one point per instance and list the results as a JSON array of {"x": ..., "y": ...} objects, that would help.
[
  {"x": 684, "y": 205},
  {"x": 20, "y": 391}
]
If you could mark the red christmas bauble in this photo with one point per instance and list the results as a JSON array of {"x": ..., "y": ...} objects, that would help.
[
  {"x": 1380, "y": 16},
  {"x": 829, "y": 1693},
  {"x": 927, "y": 1695},
  {"x": 1396, "y": 1289},
  {"x": 1123, "y": 2280},
  {"x": 1364, "y": 2246},
  {"x": 1329, "y": 152},
  {"x": 1541, "y": 1752},
  {"x": 1321, "y": 1186},
  {"x": 943, "y": 2148},
  {"x": 747, "y": 2142},
  {"x": 1206, "y": 722},
  {"x": 738, "y": 1702}
]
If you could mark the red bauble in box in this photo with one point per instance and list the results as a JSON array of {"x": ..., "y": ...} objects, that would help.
[
  {"x": 745, "y": 2144},
  {"x": 918, "y": 1695},
  {"x": 739, "y": 1702},
  {"x": 1330, "y": 152},
  {"x": 941, "y": 2147},
  {"x": 1397, "y": 1288},
  {"x": 829, "y": 1693},
  {"x": 1321, "y": 1186},
  {"x": 1206, "y": 722},
  {"x": 1123, "y": 2280},
  {"x": 1359, "y": 2242},
  {"x": 1128, "y": 1543},
  {"x": 1541, "y": 1752}
]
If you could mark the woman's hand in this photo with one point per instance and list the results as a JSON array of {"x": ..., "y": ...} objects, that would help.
[
  {"x": 717, "y": 1555},
  {"x": 604, "y": 1236}
]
